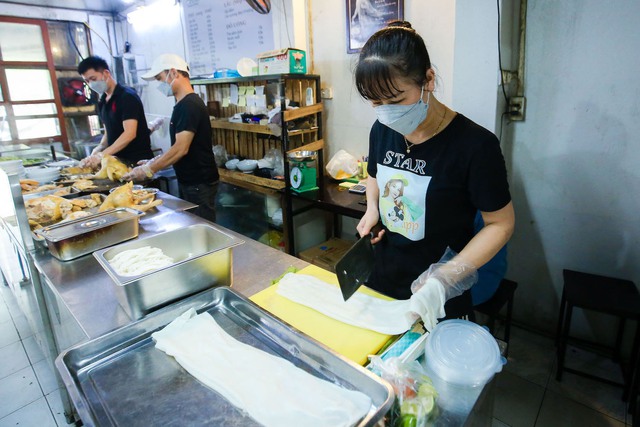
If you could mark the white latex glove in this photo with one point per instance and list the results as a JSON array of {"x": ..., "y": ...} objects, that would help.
[
  {"x": 92, "y": 161},
  {"x": 428, "y": 302},
  {"x": 139, "y": 173}
]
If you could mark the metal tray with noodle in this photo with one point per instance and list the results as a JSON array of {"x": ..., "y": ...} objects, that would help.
[{"x": 124, "y": 366}]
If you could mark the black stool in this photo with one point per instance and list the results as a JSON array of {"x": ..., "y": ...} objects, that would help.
[
  {"x": 504, "y": 295},
  {"x": 617, "y": 297}
]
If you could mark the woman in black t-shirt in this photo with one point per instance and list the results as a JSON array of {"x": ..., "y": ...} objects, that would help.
[{"x": 449, "y": 168}]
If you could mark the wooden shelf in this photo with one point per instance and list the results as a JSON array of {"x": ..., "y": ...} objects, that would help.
[
  {"x": 244, "y": 127},
  {"x": 251, "y": 182},
  {"x": 302, "y": 112}
]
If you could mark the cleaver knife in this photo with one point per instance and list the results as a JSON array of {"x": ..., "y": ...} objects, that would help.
[{"x": 356, "y": 265}]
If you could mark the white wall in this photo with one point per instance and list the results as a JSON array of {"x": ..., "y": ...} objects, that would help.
[{"x": 576, "y": 184}]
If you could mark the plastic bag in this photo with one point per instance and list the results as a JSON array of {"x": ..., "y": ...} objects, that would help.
[
  {"x": 275, "y": 156},
  {"x": 220, "y": 154},
  {"x": 416, "y": 397},
  {"x": 342, "y": 165}
]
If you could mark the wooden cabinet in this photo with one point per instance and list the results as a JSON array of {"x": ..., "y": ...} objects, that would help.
[{"x": 299, "y": 128}]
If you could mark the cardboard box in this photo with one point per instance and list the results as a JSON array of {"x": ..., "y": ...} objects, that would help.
[
  {"x": 326, "y": 254},
  {"x": 282, "y": 61}
]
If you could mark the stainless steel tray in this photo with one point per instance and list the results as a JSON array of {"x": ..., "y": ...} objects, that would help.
[
  {"x": 203, "y": 259},
  {"x": 121, "y": 379},
  {"x": 73, "y": 239},
  {"x": 71, "y": 193}
]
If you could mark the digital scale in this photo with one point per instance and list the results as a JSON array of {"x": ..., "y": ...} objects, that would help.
[{"x": 302, "y": 176}]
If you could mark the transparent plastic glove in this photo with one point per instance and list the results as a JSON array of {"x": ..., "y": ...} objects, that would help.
[
  {"x": 139, "y": 173},
  {"x": 446, "y": 279},
  {"x": 454, "y": 273},
  {"x": 147, "y": 161},
  {"x": 155, "y": 124},
  {"x": 428, "y": 302},
  {"x": 92, "y": 161}
]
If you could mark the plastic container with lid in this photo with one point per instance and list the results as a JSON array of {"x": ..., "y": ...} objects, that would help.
[{"x": 462, "y": 353}]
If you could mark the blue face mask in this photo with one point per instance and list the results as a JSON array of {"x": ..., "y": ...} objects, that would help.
[
  {"x": 165, "y": 87},
  {"x": 404, "y": 119}
]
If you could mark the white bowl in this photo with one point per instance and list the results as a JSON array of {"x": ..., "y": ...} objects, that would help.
[
  {"x": 231, "y": 164},
  {"x": 247, "y": 165},
  {"x": 42, "y": 175}
]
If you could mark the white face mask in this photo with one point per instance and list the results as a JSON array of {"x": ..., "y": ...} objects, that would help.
[
  {"x": 404, "y": 119},
  {"x": 98, "y": 86},
  {"x": 165, "y": 88}
]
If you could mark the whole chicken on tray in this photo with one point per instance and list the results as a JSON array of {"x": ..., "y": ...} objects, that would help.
[{"x": 125, "y": 197}]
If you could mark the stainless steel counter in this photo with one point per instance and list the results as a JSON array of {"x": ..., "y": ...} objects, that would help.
[{"x": 87, "y": 291}]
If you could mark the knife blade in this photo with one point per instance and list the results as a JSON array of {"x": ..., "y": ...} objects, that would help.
[{"x": 356, "y": 265}]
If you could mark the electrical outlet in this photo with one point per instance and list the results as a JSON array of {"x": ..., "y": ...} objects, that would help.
[
  {"x": 516, "y": 108},
  {"x": 326, "y": 93}
]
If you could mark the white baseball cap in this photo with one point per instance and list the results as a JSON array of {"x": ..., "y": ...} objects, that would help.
[{"x": 163, "y": 62}]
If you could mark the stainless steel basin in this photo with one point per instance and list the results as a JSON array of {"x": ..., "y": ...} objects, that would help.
[{"x": 202, "y": 259}]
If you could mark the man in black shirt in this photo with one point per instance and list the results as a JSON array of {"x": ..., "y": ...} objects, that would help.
[
  {"x": 126, "y": 133},
  {"x": 191, "y": 152}
]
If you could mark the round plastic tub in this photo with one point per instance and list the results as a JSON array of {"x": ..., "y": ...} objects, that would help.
[{"x": 462, "y": 353}]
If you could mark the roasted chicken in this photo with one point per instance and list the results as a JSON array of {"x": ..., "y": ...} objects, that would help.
[
  {"x": 83, "y": 184},
  {"x": 75, "y": 170},
  {"x": 47, "y": 209},
  {"x": 86, "y": 203},
  {"x": 30, "y": 186},
  {"x": 124, "y": 197},
  {"x": 111, "y": 168}
]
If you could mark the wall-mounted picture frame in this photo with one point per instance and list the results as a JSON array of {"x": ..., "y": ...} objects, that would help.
[{"x": 365, "y": 17}]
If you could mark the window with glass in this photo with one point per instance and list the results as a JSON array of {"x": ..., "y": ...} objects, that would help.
[{"x": 30, "y": 110}]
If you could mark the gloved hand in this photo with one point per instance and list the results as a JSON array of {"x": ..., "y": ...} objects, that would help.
[
  {"x": 428, "y": 302},
  {"x": 144, "y": 162},
  {"x": 446, "y": 279},
  {"x": 155, "y": 124},
  {"x": 92, "y": 161},
  {"x": 139, "y": 173}
]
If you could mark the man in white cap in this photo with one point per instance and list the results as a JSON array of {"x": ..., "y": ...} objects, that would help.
[{"x": 191, "y": 152}]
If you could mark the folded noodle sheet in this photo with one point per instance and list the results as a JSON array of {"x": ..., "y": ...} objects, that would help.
[{"x": 270, "y": 389}]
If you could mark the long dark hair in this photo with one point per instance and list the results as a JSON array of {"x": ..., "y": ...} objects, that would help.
[{"x": 393, "y": 52}]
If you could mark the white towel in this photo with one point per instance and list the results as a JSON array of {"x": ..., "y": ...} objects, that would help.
[
  {"x": 365, "y": 311},
  {"x": 270, "y": 389}
]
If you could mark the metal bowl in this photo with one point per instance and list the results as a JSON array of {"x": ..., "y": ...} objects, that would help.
[{"x": 302, "y": 156}]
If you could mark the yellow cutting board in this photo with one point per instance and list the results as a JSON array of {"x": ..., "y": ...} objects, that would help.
[{"x": 350, "y": 341}]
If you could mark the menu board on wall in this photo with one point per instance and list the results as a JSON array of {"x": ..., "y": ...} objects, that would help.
[{"x": 220, "y": 32}]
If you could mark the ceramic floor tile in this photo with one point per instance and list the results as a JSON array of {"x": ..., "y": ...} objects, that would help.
[
  {"x": 597, "y": 395},
  {"x": 22, "y": 325},
  {"x": 13, "y": 359},
  {"x": 4, "y": 312},
  {"x": 34, "y": 414},
  {"x": 18, "y": 390},
  {"x": 46, "y": 376},
  {"x": 531, "y": 356},
  {"x": 34, "y": 352},
  {"x": 593, "y": 363},
  {"x": 55, "y": 404},
  {"x": 8, "y": 333},
  {"x": 517, "y": 400},
  {"x": 560, "y": 411}
]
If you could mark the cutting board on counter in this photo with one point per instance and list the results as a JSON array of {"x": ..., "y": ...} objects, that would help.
[{"x": 350, "y": 341}]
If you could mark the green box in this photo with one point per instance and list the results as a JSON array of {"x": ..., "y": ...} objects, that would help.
[{"x": 282, "y": 61}]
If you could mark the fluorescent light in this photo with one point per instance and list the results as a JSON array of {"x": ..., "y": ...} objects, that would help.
[{"x": 153, "y": 15}]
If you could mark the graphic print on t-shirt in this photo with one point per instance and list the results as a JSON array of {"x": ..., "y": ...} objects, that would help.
[{"x": 402, "y": 201}]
